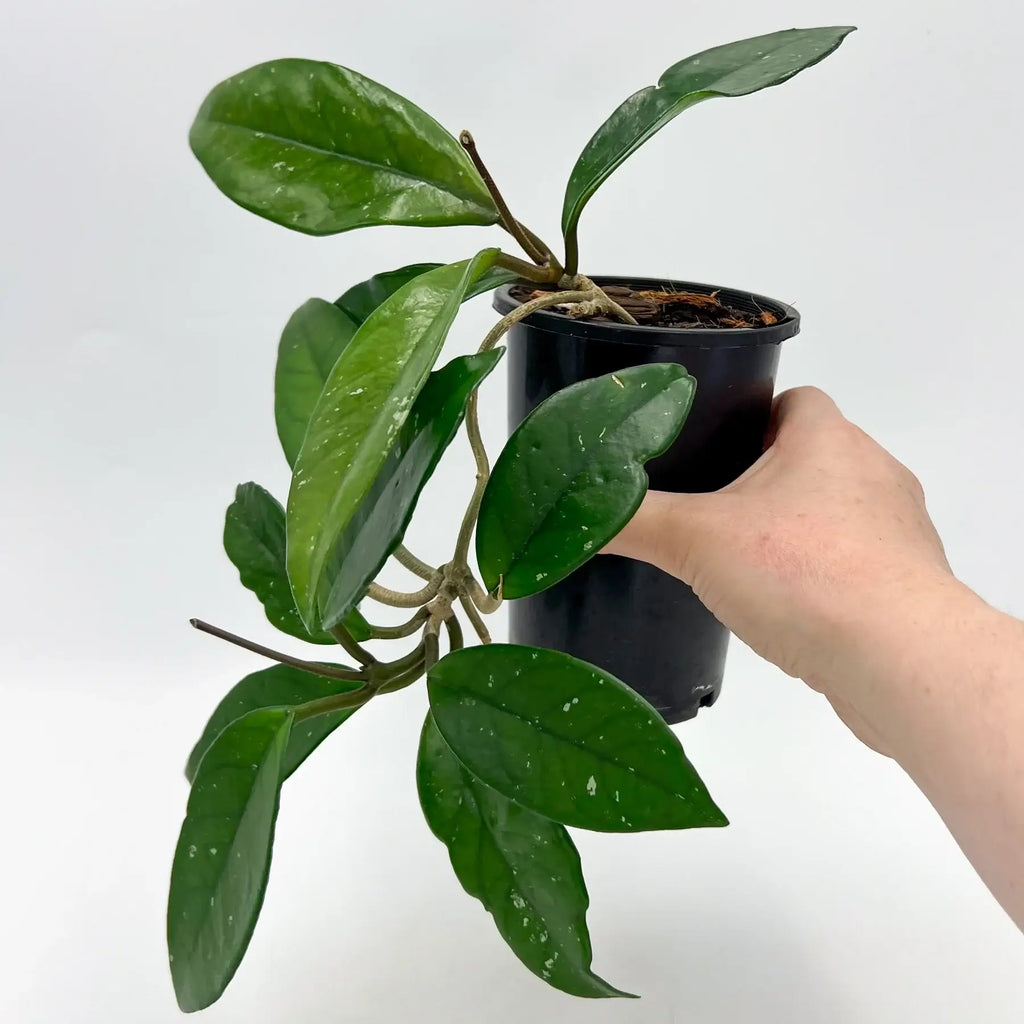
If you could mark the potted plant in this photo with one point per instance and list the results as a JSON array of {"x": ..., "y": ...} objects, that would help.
[{"x": 522, "y": 739}]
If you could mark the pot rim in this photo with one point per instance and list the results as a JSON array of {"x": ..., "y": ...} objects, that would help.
[{"x": 719, "y": 337}]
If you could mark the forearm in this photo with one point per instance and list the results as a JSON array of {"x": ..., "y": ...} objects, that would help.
[
  {"x": 940, "y": 680},
  {"x": 822, "y": 557}
]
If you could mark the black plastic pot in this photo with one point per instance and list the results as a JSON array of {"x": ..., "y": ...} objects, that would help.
[{"x": 637, "y": 622}]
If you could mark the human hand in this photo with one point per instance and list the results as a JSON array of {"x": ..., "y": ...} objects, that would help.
[{"x": 803, "y": 553}]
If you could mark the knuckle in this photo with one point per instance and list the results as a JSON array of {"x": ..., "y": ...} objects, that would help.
[{"x": 912, "y": 482}]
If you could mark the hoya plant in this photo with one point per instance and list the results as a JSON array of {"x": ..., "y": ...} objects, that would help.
[{"x": 519, "y": 743}]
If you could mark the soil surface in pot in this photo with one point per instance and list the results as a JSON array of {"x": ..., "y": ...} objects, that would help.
[{"x": 662, "y": 308}]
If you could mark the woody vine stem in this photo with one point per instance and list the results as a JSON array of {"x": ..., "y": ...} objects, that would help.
[{"x": 454, "y": 582}]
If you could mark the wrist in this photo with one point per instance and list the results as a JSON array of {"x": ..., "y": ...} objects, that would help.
[{"x": 901, "y": 652}]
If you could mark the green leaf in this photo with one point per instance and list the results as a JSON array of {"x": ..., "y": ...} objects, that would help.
[
  {"x": 311, "y": 342},
  {"x": 358, "y": 628},
  {"x": 523, "y": 868},
  {"x": 321, "y": 149},
  {"x": 491, "y": 279},
  {"x": 566, "y": 740},
  {"x": 254, "y": 539},
  {"x": 364, "y": 404},
  {"x": 362, "y": 299},
  {"x": 571, "y": 476},
  {"x": 380, "y": 521},
  {"x": 735, "y": 69},
  {"x": 279, "y": 686},
  {"x": 318, "y": 332},
  {"x": 223, "y": 855}
]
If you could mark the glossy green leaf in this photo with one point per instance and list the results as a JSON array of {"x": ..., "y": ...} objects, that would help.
[
  {"x": 362, "y": 408},
  {"x": 311, "y": 342},
  {"x": 321, "y": 149},
  {"x": 735, "y": 69},
  {"x": 279, "y": 686},
  {"x": 357, "y": 626},
  {"x": 571, "y": 476},
  {"x": 489, "y": 280},
  {"x": 223, "y": 855},
  {"x": 318, "y": 332},
  {"x": 523, "y": 868},
  {"x": 566, "y": 739},
  {"x": 362, "y": 299},
  {"x": 254, "y": 539},
  {"x": 379, "y": 523}
]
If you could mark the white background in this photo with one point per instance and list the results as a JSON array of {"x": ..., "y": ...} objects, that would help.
[{"x": 139, "y": 313}]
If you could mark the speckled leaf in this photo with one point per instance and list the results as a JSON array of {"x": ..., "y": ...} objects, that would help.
[
  {"x": 322, "y": 149},
  {"x": 362, "y": 408},
  {"x": 318, "y": 332},
  {"x": 254, "y": 539},
  {"x": 380, "y": 521},
  {"x": 311, "y": 342},
  {"x": 223, "y": 855},
  {"x": 731, "y": 70},
  {"x": 279, "y": 686},
  {"x": 572, "y": 475},
  {"x": 523, "y": 868},
  {"x": 566, "y": 740}
]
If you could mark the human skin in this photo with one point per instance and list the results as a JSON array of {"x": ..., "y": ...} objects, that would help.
[{"x": 822, "y": 557}]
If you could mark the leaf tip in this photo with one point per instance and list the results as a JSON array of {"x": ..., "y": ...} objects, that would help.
[
  {"x": 609, "y": 991},
  {"x": 716, "y": 817}
]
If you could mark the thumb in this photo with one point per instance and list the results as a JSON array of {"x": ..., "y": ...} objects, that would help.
[{"x": 665, "y": 531}]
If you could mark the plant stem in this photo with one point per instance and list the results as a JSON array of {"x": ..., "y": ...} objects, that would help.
[
  {"x": 431, "y": 652},
  {"x": 401, "y": 599},
  {"x": 404, "y": 679},
  {"x": 539, "y": 253},
  {"x": 336, "y": 702},
  {"x": 475, "y": 619},
  {"x": 623, "y": 314},
  {"x": 404, "y": 629},
  {"x": 498, "y": 331},
  {"x": 487, "y": 603},
  {"x": 540, "y": 275},
  {"x": 572, "y": 252},
  {"x": 408, "y": 560},
  {"x": 550, "y": 257},
  {"x": 599, "y": 302},
  {"x": 455, "y": 638},
  {"x": 328, "y": 671},
  {"x": 472, "y": 419},
  {"x": 345, "y": 638},
  {"x": 395, "y": 675},
  {"x": 384, "y": 670},
  {"x": 483, "y": 472}
]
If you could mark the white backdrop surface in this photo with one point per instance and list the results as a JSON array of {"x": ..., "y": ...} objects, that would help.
[{"x": 139, "y": 312}]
